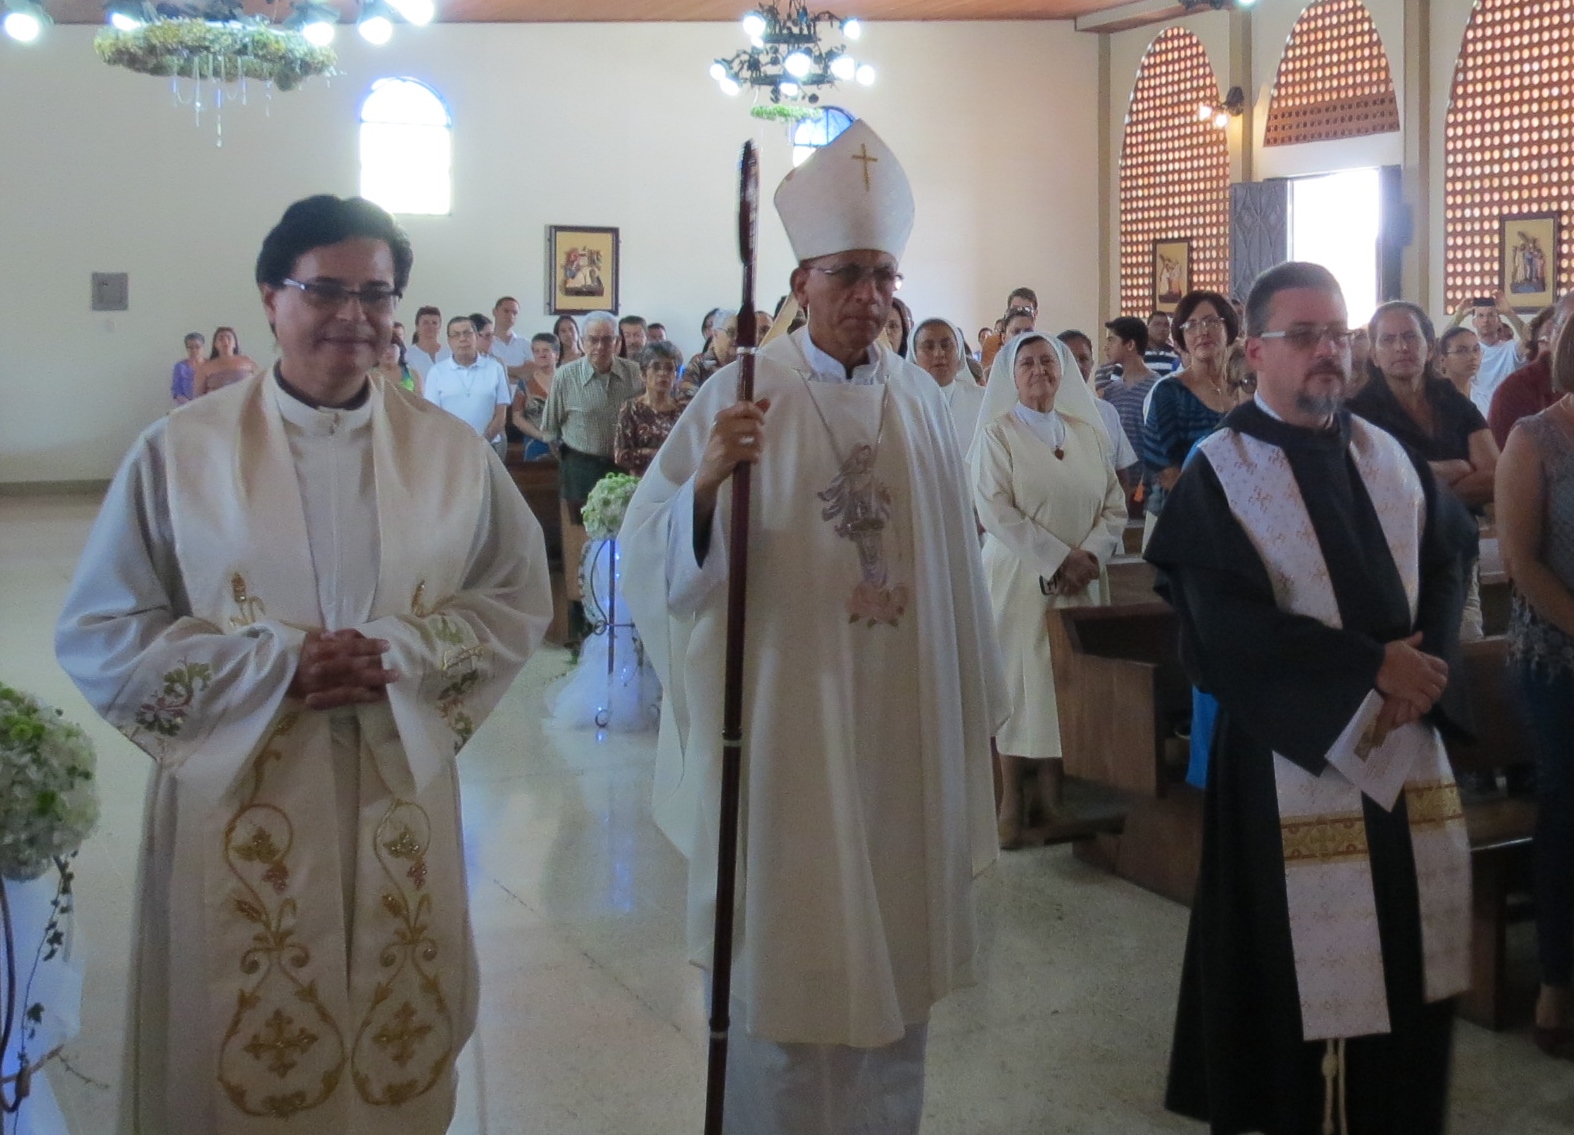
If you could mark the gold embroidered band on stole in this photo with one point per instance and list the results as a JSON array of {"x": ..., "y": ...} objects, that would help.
[
  {"x": 1433, "y": 803},
  {"x": 1337, "y": 838}
]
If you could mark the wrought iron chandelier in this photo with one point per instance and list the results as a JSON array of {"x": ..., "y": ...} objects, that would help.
[{"x": 786, "y": 59}]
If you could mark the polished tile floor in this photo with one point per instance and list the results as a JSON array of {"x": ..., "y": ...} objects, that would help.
[{"x": 591, "y": 1023}]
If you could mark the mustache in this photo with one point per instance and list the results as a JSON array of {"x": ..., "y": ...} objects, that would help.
[{"x": 1332, "y": 368}]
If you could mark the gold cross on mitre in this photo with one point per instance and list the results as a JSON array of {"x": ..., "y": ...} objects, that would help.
[{"x": 863, "y": 155}]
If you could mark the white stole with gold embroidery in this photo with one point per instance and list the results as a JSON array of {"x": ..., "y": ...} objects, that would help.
[
  {"x": 1327, "y": 866},
  {"x": 334, "y": 1027}
]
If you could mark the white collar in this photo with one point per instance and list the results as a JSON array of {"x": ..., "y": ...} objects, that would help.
[
  {"x": 317, "y": 420},
  {"x": 827, "y": 369},
  {"x": 1269, "y": 410}
]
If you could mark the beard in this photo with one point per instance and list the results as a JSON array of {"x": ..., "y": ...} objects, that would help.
[{"x": 1324, "y": 405}]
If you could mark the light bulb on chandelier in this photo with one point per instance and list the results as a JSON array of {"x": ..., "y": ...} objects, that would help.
[
  {"x": 866, "y": 74},
  {"x": 319, "y": 33},
  {"x": 844, "y": 68},
  {"x": 754, "y": 25},
  {"x": 788, "y": 58},
  {"x": 798, "y": 64}
]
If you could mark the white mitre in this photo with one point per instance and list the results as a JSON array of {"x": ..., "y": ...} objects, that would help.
[{"x": 850, "y": 194}]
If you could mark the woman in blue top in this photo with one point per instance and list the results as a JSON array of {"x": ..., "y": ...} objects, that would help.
[{"x": 1187, "y": 406}]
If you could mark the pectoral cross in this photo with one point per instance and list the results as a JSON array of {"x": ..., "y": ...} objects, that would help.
[{"x": 864, "y": 156}]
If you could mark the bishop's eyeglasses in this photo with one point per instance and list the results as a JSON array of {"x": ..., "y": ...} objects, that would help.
[
  {"x": 330, "y": 295},
  {"x": 849, "y": 276}
]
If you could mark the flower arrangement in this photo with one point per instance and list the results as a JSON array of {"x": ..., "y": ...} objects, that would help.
[
  {"x": 608, "y": 501},
  {"x": 224, "y": 51},
  {"x": 783, "y": 112},
  {"x": 48, "y": 800}
]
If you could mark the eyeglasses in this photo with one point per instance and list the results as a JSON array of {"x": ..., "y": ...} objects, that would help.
[
  {"x": 1476, "y": 350},
  {"x": 330, "y": 296},
  {"x": 1410, "y": 339},
  {"x": 600, "y": 340},
  {"x": 1203, "y": 323},
  {"x": 849, "y": 276},
  {"x": 1306, "y": 337}
]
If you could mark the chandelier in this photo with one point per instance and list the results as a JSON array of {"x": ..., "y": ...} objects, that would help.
[{"x": 786, "y": 59}]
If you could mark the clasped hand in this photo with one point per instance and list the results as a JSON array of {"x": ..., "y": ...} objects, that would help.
[
  {"x": 338, "y": 668},
  {"x": 1410, "y": 681},
  {"x": 1076, "y": 571}
]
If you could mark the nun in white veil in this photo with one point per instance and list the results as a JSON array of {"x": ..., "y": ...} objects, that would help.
[
  {"x": 939, "y": 348},
  {"x": 1053, "y": 512}
]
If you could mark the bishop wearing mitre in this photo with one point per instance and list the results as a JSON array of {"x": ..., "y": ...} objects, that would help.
[{"x": 871, "y": 676}]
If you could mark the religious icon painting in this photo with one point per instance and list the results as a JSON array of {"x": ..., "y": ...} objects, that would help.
[
  {"x": 1528, "y": 251},
  {"x": 582, "y": 269},
  {"x": 1171, "y": 273}
]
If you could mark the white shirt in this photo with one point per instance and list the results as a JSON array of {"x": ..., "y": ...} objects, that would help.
[
  {"x": 512, "y": 352},
  {"x": 421, "y": 362},
  {"x": 1497, "y": 362},
  {"x": 1125, "y": 456},
  {"x": 472, "y": 393}
]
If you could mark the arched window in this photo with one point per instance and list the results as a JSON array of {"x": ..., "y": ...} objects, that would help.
[
  {"x": 406, "y": 148},
  {"x": 1505, "y": 154},
  {"x": 1333, "y": 79},
  {"x": 1174, "y": 173},
  {"x": 809, "y": 134}
]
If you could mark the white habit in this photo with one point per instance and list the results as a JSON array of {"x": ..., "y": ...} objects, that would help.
[
  {"x": 303, "y": 960},
  {"x": 1035, "y": 508},
  {"x": 871, "y": 692}
]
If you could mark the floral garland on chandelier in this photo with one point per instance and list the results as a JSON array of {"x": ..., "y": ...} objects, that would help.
[{"x": 252, "y": 48}]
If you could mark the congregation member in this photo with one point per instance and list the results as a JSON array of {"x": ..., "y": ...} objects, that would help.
[
  {"x": 428, "y": 349},
  {"x": 1024, "y": 298},
  {"x": 763, "y": 321},
  {"x": 656, "y": 333},
  {"x": 1535, "y": 524},
  {"x": 1500, "y": 330},
  {"x": 581, "y": 416},
  {"x": 720, "y": 350},
  {"x": 483, "y": 334},
  {"x": 645, "y": 421},
  {"x": 1053, "y": 511},
  {"x": 394, "y": 370},
  {"x": 1459, "y": 358},
  {"x": 1425, "y": 412},
  {"x": 871, "y": 677},
  {"x": 530, "y": 395},
  {"x": 1529, "y": 390},
  {"x": 940, "y": 351},
  {"x": 632, "y": 337},
  {"x": 569, "y": 347},
  {"x": 898, "y": 327},
  {"x": 225, "y": 365},
  {"x": 1360, "y": 358},
  {"x": 1081, "y": 348},
  {"x": 1315, "y": 569},
  {"x": 508, "y": 346},
  {"x": 1128, "y": 387},
  {"x": 303, "y": 651},
  {"x": 470, "y": 385},
  {"x": 1188, "y": 405},
  {"x": 398, "y": 333},
  {"x": 1160, "y": 355},
  {"x": 182, "y": 379}
]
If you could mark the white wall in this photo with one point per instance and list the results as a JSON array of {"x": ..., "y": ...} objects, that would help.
[{"x": 619, "y": 125}]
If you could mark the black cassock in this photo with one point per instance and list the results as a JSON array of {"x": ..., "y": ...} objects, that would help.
[{"x": 1290, "y": 684}]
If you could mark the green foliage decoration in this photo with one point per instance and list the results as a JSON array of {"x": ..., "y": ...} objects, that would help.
[{"x": 222, "y": 51}]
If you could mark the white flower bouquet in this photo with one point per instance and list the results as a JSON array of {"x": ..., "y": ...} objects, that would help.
[
  {"x": 48, "y": 799},
  {"x": 608, "y": 501}
]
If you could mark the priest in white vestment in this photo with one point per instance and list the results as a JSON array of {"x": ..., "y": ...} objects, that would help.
[
  {"x": 302, "y": 596},
  {"x": 871, "y": 683},
  {"x": 1053, "y": 513}
]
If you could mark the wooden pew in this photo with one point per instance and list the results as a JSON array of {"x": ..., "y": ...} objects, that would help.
[
  {"x": 1501, "y": 829},
  {"x": 537, "y": 483},
  {"x": 1120, "y": 697}
]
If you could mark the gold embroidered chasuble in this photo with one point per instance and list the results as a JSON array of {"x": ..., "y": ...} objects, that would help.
[
  {"x": 304, "y": 959},
  {"x": 1328, "y": 880}
]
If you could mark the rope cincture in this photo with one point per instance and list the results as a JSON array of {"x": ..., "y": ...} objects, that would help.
[{"x": 1336, "y": 1121}]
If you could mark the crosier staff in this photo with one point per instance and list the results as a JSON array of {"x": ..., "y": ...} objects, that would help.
[{"x": 732, "y": 696}]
